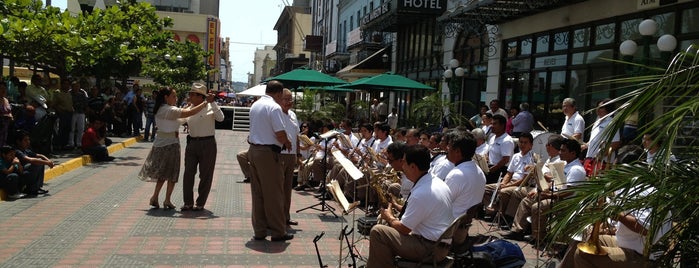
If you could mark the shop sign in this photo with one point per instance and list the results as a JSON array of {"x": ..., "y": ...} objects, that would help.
[{"x": 648, "y": 4}]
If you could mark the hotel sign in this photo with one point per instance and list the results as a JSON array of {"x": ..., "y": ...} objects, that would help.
[
  {"x": 422, "y": 6},
  {"x": 648, "y": 4}
]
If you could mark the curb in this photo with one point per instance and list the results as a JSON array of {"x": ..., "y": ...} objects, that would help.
[{"x": 84, "y": 160}]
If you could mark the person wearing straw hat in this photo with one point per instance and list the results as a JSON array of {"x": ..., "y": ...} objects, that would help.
[{"x": 201, "y": 148}]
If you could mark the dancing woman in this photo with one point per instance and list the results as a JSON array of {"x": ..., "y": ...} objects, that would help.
[{"x": 163, "y": 161}]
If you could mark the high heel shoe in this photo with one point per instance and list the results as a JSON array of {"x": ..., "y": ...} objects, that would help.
[
  {"x": 168, "y": 206},
  {"x": 154, "y": 203}
]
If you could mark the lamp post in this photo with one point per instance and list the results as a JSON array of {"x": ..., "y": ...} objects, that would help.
[
  {"x": 453, "y": 74},
  {"x": 647, "y": 28},
  {"x": 171, "y": 74}
]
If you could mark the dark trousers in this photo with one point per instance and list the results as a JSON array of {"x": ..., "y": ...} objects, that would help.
[
  {"x": 64, "y": 127},
  {"x": 34, "y": 177},
  {"x": 200, "y": 153},
  {"x": 10, "y": 182},
  {"x": 98, "y": 152},
  {"x": 492, "y": 177}
]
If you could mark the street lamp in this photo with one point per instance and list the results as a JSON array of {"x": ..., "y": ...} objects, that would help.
[
  {"x": 647, "y": 28},
  {"x": 454, "y": 76}
]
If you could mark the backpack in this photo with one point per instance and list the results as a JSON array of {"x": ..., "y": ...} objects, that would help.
[{"x": 503, "y": 253}]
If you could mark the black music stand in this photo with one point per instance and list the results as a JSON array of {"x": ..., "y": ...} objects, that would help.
[{"x": 323, "y": 191}]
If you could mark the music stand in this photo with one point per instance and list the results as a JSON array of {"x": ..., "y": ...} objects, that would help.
[
  {"x": 323, "y": 205},
  {"x": 335, "y": 189}
]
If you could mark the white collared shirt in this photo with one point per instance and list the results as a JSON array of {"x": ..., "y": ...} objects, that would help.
[
  {"x": 466, "y": 182},
  {"x": 266, "y": 118},
  {"x": 593, "y": 146},
  {"x": 429, "y": 208},
  {"x": 499, "y": 147},
  {"x": 292, "y": 132},
  {"x": 202, "y": 124},
  {"x": 574, "y": 124}
]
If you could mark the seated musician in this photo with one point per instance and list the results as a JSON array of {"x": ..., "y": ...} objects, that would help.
[
  {"x": 466, "y": 180},
  {"x": 394, "y": 154},
  {"x": 322, "y": 161},
  {"x": 359, "y": 155},
  {"x": 512, "y": 179},
  {"x": 594, "y": 161},
  {"x": 427, "y": 213},
  {"x": 520, "y": 224},
  {"x": 383, "y": 139},
  {"x": 574, "y": 172},
  {"x": 517, "y": 188},
  {"x": 481, "y": 144},
  {"x": 440, "y": 165},
  {"x": 500, "y": 149},
  {"x": 346, "y": 149}
]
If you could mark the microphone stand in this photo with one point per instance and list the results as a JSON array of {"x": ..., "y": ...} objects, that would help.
[{"x": 323, "y": 192}]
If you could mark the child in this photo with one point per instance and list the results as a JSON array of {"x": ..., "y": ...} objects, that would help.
[
  {"x": 10, "y": 178},
  {"x": 92, "y": 144}
]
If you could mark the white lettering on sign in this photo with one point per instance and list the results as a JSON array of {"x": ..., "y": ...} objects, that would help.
[
  {"x": 646, "y": 4},
  {"x": 428, "y": 4}
]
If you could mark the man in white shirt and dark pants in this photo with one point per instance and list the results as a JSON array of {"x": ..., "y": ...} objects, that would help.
[
  {"x": 288, "y": 157},
  {"x": 267, "y": 140},
  {"x": 201, "y": 149}
]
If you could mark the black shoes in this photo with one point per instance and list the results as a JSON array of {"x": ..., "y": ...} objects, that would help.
[
  {"x": 258, "y": 238},
  {"x": 282, "y": 238},
  {"x": 302, "y": 187},
  {"x": 292, "y": 222},
  {"x": 246, "y": 180},
  {"x": 519, "y": 236}
]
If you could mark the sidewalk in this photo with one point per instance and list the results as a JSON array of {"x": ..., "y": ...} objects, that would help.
[{"x": 97, "y": 215}]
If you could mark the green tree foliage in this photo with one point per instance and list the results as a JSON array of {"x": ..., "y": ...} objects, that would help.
[
  {"x": 167, "y": 69},
  {"x": 114, "y": 42},
  {"x": 429, "y": 112},
  {"x": 329, "y": 111}
]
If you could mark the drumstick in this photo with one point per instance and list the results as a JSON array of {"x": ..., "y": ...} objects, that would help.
[{"x": 542, "y": 126}]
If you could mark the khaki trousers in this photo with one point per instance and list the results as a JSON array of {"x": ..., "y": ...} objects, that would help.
[
  {"x": 510, "y": 198},
  {"x": 267, "y": 189},
  {"x": 537, "y": 211},
  {"x": 289, "y": 163},
  {"x": 244, "y": 163},
  {"x": 385, "y": 243},
  {"x": 616, "y": 257}
]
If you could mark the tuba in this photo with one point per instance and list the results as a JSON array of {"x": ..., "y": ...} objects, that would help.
[{"x": 592, "y": 245}]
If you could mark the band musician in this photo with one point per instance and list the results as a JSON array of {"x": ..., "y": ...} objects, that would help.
[{"x": 427, "y": 213}]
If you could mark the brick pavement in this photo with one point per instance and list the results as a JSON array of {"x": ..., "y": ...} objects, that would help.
[{"x": 98, "y": 216}]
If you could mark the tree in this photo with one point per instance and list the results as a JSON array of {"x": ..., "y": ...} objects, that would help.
[
  {"x": 177, "y": 63},
  {"x": 429, "y": 112},
  {"x": 675, "y": 193}
]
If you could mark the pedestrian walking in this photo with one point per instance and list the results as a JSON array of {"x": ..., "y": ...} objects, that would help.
[
  {"x": 163, "y": 161},
  {"x": 201, "y": 148},
  {"x": 267, "y": 139}
]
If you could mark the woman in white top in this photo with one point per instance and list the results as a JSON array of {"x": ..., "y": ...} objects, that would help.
[{"x": 163, "y": 161}]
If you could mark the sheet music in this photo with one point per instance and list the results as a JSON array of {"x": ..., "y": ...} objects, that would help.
[
  {"x": 328, "y": 134},
  {"x": 480, "y": 161},
  {"x": 353, "y": 171},
  {"x": 557, "y": 171},
  {"x": 541, "y": 182},
  {"x": 340, "y": 198}
]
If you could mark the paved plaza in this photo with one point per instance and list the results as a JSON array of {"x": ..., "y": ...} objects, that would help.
[{"x": 98, "y": 215}]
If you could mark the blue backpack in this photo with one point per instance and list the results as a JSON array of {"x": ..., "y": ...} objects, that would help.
[{"x": 504, "y": 253}]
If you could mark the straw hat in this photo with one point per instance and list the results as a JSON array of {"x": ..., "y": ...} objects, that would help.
[{"x": 198, "y": 88}]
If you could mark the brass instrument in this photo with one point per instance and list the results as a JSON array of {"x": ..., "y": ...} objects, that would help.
[
  {"x": 305, "y": 140},
  {"x": 593, "y": 246},
  {"x": 376, "y": 182},
  {"x": 344, "y": 140},
  {"x": 532, "y": 173},
  {"x": 481, "y": 162}
]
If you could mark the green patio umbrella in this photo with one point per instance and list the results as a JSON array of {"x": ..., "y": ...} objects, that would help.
[
  {"x": 306, "y": 77},
  {"x": 387, "y": 80},
  {"x": 326, "y": 88}
]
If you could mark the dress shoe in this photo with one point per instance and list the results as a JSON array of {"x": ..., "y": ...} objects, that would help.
[
  {"x": 256, "y": 238},
  {"x": 519, "y": 236},
  {"x": 246, "y": 180},
  {"x": 283, "y": 238},
  {"x": 186, "y": 208},
  {"x": 292, "y": 222},
  {"x": 302, "y": 187},
  {"x": 42, "y": 191}
]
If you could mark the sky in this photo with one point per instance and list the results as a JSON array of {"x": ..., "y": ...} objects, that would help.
[{"x": 249, "y": 24}]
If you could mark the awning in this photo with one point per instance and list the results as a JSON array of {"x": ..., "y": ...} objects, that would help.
[
  {"x": 362, "y": 65},
  {"x": 472, "y": 15}
]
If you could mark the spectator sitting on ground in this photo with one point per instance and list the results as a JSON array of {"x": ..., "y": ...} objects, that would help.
[
  {"x": 92, "y": 144},
  {"x": 26, "y": 121},
  {"x": 10, "y": 178},
  {"x": 33, "y": 163}
]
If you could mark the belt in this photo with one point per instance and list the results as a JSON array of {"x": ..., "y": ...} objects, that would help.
[
  {"x": 274, "y": 147},
  {"x": 189, "y": 137}
]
